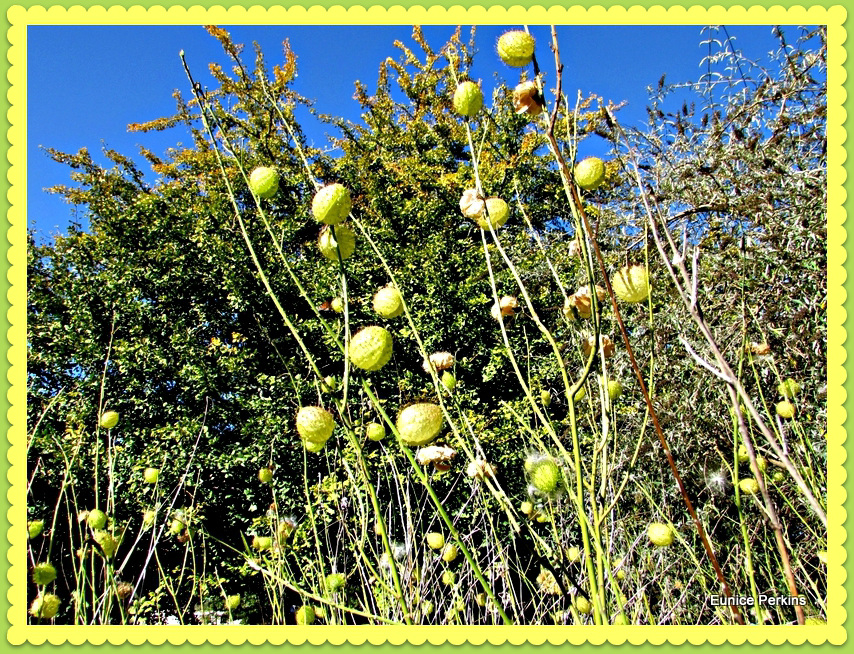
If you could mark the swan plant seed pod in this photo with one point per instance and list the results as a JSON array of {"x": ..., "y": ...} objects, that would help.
[
  {"x": 545, "y": 476},
  {"x": 262, "y": 543},
  {"x": 785, "y": 409},
  {"x": 789, "y": 388},
  {"x": 43, "y": 574},
  {"x": 97, "y": 519},
  {"x": 435, "y": 540},
  {"x": 315, "y": 424},
  {"x": 331, "y": 204},
  {"x": 335, "y": 581},
  {"x": 264, "y": 182},
  {"x": 516, "y": 48},
  {"x": 496, "y": 214},
  {"x": 375, "y": 431},
  {"x": 450, "y": 553},
  {"x": 660, "y": 534},
  {"x": 305, "y": 615},
  {"x": 419, "y": 424},
  {"x": 108, "y": 544},
  {"x": 371, "y": 348},
  {"x": 583, "y": 605},
  {"x": 631, "y": 283},
  {"x": 448, "y": 381},
  {"x": 468, "y": 99},
  {"x": 388, "y": 302},
  {"x": 35, "y": 528},
  {"x": 748, "y": 486},
  {"x": 343, "y": 239},
  {"x": 590, "y": 173},
  {"x": 109, "y": 419},
  {"x": 45, "y": 606}
]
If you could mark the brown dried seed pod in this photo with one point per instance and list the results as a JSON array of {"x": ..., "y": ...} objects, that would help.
[
  {"x": 527, "y": 99},
  {"x": 472, "y": 205}
]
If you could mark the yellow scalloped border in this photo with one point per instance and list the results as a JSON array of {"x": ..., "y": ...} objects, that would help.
[{"x": 20, "y": 17}]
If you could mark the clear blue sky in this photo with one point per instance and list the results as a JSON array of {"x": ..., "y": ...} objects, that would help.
[{"x": 86, "y": 84}]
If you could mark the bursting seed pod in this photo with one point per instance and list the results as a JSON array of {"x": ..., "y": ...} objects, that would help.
[
  {"x": 506, "y": 306},
  {"x": 438, "y": 360},
  {"x": 527, "y": 99}
]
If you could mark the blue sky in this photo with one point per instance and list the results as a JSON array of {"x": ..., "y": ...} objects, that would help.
[{"x": 86, "y": 84}]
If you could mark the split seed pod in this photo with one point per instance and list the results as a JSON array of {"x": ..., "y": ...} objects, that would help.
[
  {"x": 527, "y": 99},
  {"x": 438, "y": 360},
  {"x": 472, "y": 204},
  {"x": 435, "y": 454},
  {"x": 480, "y": 469},
  {"x": 506, "y": 306},
  {"x": 605, "y": 342}
]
